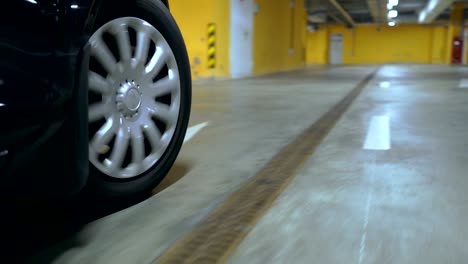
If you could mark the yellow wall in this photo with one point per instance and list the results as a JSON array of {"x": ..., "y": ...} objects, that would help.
[
  {"x": 373, "y": 44},
  {"x": 223, "y": 27},
  {"x": 272, "y": 36},
  {"x": 277, "y": 28},
  {"x": 317, "y": 47},
  {"x": 439, "y": 45},
  {"x": 193, "y": 18}
]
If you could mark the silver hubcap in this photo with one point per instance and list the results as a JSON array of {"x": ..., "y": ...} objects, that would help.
[
  {"x": 134, "y": 97},
  {"x": 128, "y": 99}
]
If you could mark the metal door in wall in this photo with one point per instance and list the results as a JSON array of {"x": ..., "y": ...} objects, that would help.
[{"x": 336, "y": 49}]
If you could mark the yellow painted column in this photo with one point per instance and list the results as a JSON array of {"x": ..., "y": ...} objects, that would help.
[
  {"x": 221, "y": 16},
  {"x": 194, "y": 19}
]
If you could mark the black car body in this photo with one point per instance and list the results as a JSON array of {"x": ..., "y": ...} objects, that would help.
[{"x": 44, "y": 54}]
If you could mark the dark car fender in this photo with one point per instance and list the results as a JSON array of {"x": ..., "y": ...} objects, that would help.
[{"x": 43, "y": 67}]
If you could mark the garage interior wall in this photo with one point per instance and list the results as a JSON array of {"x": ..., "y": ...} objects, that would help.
[
  {"x": 317, "y": 46},
  {"x": 193, "y": 18},
  {"x": 373, "y": 44},
  {"x": 279, "y": 35},
  {"x": 280, "y": 40}
]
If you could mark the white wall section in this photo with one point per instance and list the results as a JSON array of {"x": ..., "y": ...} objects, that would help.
[{"x": 241, "y": 42}]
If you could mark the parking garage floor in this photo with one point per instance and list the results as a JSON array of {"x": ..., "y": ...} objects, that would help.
[{"x": 386, "y": 183}]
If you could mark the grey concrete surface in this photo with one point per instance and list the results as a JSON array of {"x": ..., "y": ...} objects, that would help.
[
  {"x": 407, "y": 204},
  {"x": 347, "y": 205},
  {"x": 250, "y": 120}
]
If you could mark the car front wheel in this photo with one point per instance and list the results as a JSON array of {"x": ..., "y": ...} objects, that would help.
[{"x": 139, "y": 98}]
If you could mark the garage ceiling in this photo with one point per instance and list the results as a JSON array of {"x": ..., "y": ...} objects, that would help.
[{"x": 366, "y": 11}]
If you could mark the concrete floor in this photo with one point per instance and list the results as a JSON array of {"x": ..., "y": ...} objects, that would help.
[{"x": 406, "y": 204}]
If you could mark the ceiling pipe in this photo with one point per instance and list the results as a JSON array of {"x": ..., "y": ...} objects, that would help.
[
  {"x": 433, "y": 9},
  {"x": 343, "y": 12},
  {"x": 316, "y": 12},
  {"x": 319, "y": 18},
  {"x": 336, "y": 19},
  {"x": 378, "y": 10}
]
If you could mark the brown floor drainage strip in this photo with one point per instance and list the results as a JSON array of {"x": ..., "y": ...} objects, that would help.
[{"x": 215, "y": 238}]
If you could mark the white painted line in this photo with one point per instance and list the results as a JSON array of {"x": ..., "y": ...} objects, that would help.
[
  {"x": 463, "y": 83},
  {"x": 378, "y": 134},
  {"x": 192, "y": 131}
]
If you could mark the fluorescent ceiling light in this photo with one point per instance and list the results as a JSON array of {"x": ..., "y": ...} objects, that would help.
[
  {"x": 391, "y": 23},
  {"x": 74, "y": 6},
  {"x": 389, "y": 6},
  {"x": 32, "y": 1},
  {"x": 393, "y": 2},
  {"x": 392, "y": 13}
]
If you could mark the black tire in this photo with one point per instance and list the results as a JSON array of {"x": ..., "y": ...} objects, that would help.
[{"x": 157, "y": 14}]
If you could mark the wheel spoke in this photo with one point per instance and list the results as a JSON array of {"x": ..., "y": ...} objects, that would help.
[
  {"x": 138, "y": 147},
  {"x": 103, "y": 136},
  {"x": 102, "y": 53},
  {"x": 153, "y": 134},
  {"x": 98, "y": 84},
  {"x": 156, "y": 63},
  {"x": 163, "y": 112},
  {"x": 141, "y": 51},
  {"x": 132, "y": 122},
  {"x": 163, "y": 86},
  {"x": 119, "y": 149},
  {"x": 123, "y": 42},
  {"x": 98, "y": 110}
]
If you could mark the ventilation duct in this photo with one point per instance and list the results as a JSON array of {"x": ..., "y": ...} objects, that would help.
[
  {"x": 433, "y": 9},
  {"x": 378, "y": 10}
]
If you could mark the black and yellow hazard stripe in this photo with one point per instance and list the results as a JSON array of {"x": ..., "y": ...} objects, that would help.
[{"x": 211, "y": 45}]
